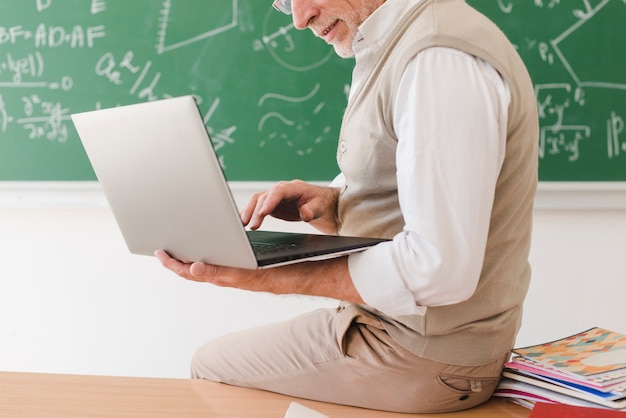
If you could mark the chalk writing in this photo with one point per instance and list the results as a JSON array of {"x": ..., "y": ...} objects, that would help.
[
  {"x": 139, "y": 75},
  {"x": 98, "y": 6},
  {"x": 565, "y": 139},
  {"x": 188, "y": 34},
  {"x": 219, "y": 138},
  {"x": 597, "y": 79},
  {"x": 4, "y": 116},
  {"x": 53, "y": 36},
  {"x": 43, "y": 4},
  {"x": 506, "y": 7},
  {"x": 616, "y": 142},
  {"x": 30, "y": 65},
  {"x": 299, "y": 135},
  {"x": 44, "y": 119},
  {"x": 65, "y": 84},
  {"x": 550, "y": 4}
]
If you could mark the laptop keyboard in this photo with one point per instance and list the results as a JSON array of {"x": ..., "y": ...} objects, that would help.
[{"x": 262, "y": 248}]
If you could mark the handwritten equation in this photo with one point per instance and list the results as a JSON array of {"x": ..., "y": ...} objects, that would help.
[{"x": 580, "y": 83}]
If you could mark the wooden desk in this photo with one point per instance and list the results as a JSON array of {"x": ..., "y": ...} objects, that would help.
[{"x": 26, "y": 395}]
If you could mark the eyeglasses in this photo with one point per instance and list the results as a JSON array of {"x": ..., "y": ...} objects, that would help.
[{"x": 282, "y": 6}]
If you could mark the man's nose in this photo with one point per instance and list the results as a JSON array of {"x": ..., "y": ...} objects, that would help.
[{"x": 303, "y": 12}]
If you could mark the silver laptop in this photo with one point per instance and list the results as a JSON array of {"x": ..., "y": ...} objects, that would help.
[{"x": 164, "y": 184}]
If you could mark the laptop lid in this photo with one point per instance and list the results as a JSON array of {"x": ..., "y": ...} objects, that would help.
[{"x": 165, "y": 186}]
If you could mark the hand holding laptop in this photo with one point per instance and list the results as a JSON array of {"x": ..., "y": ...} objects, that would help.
[{"x": 328, "y": 278}]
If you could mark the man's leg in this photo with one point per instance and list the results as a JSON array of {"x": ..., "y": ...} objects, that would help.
[{"x": 318, "y": 356}]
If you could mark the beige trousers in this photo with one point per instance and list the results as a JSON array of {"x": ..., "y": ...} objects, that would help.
[{"x": 317, "y": 356}]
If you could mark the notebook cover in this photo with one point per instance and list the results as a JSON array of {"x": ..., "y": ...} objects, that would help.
[
  {"x": 596, "y": 354},
  {"x": 553, "y": 410}
]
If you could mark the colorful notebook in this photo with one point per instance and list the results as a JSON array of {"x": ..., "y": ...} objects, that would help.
[{"x": 596, "y": 355}]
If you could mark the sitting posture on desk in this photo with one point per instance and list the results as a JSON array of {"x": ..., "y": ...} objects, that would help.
[{"x": 437, "y": 151}]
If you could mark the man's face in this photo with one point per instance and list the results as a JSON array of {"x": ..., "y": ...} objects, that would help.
[{"x": 335, "y": 21}]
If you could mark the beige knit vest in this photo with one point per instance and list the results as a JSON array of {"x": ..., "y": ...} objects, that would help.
[{"x": 483, "y": 328}]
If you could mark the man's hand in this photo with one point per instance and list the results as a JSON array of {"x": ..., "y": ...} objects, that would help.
[
  {"x": 217, "y": 275},
  {"x": 294, "y": 201}
]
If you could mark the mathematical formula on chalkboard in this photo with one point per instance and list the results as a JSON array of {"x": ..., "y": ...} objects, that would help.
[
  {"x": 272, "y": 96},
  {"x": 574, "y": 52}
]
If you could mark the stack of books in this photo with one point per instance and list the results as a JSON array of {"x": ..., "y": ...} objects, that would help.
[{"x": 585, "y": 369}]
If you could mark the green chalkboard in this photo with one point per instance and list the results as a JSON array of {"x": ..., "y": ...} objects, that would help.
[{"x": 273, "y": 96}]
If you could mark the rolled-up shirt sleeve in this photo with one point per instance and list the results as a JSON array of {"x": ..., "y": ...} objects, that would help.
[{"x": 450, "y": 119}]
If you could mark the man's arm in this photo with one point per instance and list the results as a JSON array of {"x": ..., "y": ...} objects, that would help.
[
  {"x": 327, "y": 278},
  {"x": 451, "y": 131}
]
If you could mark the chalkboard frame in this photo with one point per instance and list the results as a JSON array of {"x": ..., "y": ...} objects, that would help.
[{"x": 88, "y": 195}]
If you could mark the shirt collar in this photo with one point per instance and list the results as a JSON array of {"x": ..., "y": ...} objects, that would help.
[{"x": 375, "y": 31}]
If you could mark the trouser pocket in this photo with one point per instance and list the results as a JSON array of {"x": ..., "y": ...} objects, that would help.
[{"x": 462, "y": 392}]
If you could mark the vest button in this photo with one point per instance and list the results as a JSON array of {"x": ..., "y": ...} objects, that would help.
[{"x": 342, "y": 146}]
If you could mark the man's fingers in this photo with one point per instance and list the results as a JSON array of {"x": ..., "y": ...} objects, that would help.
[
  {"x": 172, "y": 264},
  {"x": 163, "y": 257},
  {"x": 257, "y": 215},
  {"x": 248, "y": 210},
  {"x": 197, "y": 269}
]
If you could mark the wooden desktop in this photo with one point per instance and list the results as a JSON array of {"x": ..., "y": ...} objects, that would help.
[{"x": 26, "y": 395}]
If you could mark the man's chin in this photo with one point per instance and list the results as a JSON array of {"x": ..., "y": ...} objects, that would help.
[{"x": 343, "y": 51}]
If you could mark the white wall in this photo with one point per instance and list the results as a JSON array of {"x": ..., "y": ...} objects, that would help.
[{"x": 73, "y": 300}]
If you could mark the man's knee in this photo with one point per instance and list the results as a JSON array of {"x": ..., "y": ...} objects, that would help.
[
  {"x": 229, "y": 359},
  {"x": 211, "y": 361},
  {"x": 200, "y": 364}
]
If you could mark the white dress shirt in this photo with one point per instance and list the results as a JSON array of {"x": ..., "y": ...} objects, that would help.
[{"x": 451, "y": 117}]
